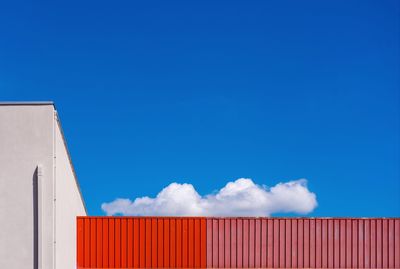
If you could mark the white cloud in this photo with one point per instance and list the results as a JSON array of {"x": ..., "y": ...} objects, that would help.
[{"x": 238, "y": 198}]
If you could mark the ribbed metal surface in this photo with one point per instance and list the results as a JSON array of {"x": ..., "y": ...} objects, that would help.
[
  {"x": 303, "y": 243},
  {"x": 120, "y": 242},
  {"x": 147, "y": 242}
]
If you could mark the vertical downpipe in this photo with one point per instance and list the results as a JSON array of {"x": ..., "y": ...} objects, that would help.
[
  {"x": 39, "y": 220},
  {"x": 54, "y": 188}
]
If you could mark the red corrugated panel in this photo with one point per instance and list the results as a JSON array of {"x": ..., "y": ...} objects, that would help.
[
  {"x": 391, "y": 237},
  {"x": 111, "y": 243},
  {"x": 214, "y": 243},
  {"x": 220, "y": 243},
  {"x": 142, "y": 243},
  {"x": 168, "y": 242},
  {"x": 300, "y": 243},
  {"x": 80, "y": 243},
  {"x": 257, "y": 253},
  {"x": 306, "y": 261},
  {"x": 385, "y": 243},
  {"x": 99, "y": 237},
  {"x": 270, "y": 243},
  {"x": 105, "y": 243},
  {"x": 178, "y": 243},
  {"x": 239, "y": 247},
  {"x": 342, "y": 248},
  {"x": 227, "y": 243},
  {"x": 233, "y": 243},
  {"x": 209, "y": 243},
  {"x": 294, "y": 245},
  {"x": 251, "y": 243},
  {"x": 275, "y": 245},
  {"x": 318, "y": 243},
  {"x": 373, "y": 243},
  {"x": 245, "y": 234},
  {"x": 263, "y": 243},
  {"x": 130, "y": 243},
  {"x": 312, "y": 243},
  {"x": 172, "y": 251},
  {"x": 281, "y": 243},
  {"x": 335, "y": 244},
  {"x": 160, "y": 243},
  {"x": 166, "y": 246},
  {"x": 184, "y": 243},
  {"x": 124, "y": 243},
  {"x": 397, "y": 244},
  {"x": 348, "y": 244},
  {"x": 324, "y": 243}
]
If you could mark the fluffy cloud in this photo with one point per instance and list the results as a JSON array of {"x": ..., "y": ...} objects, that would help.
[{"x": 238, "y": 198}]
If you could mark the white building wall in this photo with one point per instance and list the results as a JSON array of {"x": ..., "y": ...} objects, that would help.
[
  {"x": 30, "y": 137},
  {"x": 69, "y": 205}
]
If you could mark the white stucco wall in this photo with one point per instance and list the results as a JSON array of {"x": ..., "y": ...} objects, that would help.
[
  {"x": 69, "y": 205},
  {"x": 30, "y": 136}
]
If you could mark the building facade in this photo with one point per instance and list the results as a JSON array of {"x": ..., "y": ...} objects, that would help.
[{"x": 39, "y": 194}]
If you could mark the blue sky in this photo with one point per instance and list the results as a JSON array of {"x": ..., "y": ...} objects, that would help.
[{"x": 205, "y": 92}]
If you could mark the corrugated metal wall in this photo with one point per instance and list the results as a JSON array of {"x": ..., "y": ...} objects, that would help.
[
  {"x": 119, "y": 242},
  {"x": 303, "y": 243}
]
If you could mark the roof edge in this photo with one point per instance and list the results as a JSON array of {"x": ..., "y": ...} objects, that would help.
[
  {"x": 26, "y": 103},
  {"x": 57, "y": 118}
]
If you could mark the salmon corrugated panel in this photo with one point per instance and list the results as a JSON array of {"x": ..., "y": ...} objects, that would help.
[{"x": 198, "y": 242}]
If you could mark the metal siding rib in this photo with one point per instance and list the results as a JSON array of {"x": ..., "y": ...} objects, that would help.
[
  {"x": 391, "y": 244},
  {"x": 227, "y": 243},
  {"x": 263, "y": 243},
  {"x": 105, "y": 243},
  {"x": 160, "y": 243},
  {"x": 86, "y": 243},
  {"x": 184, "y": 243},
  {"x": 373, "y": 243},
  {"x": 257, "y": 251},
  {"x": 190, "y": 243},
  {"x": 166, "y": 247},
  {"x": 312, "y": 243},
  {"x": 221, "y": 242},
  {"x": 318, "y": 246},
  {"x": 111, "y": 241},
  {"x": 288, "y": 243},
  {"x": 270, "y": 243},
  {"x": 178, "y": 243},
  {"x": 80, "y": 243},
  {"x": 99, "y": 246},
  {"x": 276, "y": 243},
  {"x": 142, "y": 243},
  {"x": 173, "y": 248},
  {"x": 209, "y": 242},
  {"x": 397, "y": 244},
  {"x": 348, "y": 244},
  {"x": 124, "y": 243},
  {"x": 239, "y": 253},
  {"x": 233, "y": 243},
  {"x": 117, "y": 261},
  {"x": 281, "y": 243},
  {"x": 342, "y": 247},
  {"x": 294, "y": 251},
  {"x": 306, "y": 243},
  {"x": 214, "y": 243},
  {"x": 334, "y": 243},
  {"x": 130, "y": 243},
  {"x": 251, "y": 243}
]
